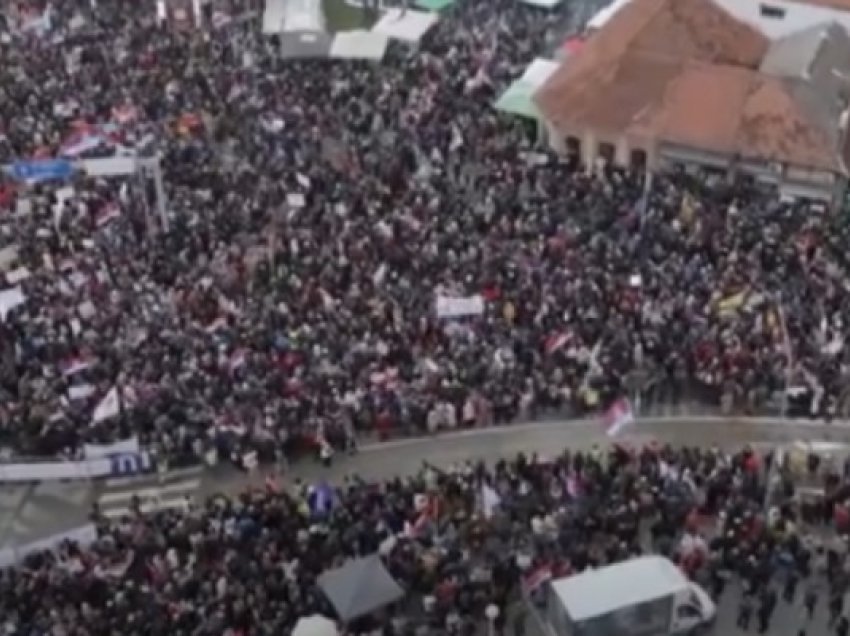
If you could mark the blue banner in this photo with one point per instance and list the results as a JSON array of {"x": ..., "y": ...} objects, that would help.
[{"x": 44, "y": 170}]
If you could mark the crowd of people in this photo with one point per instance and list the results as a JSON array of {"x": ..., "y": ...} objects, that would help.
[
  {"x": 315, "y": 211},
  {"x": 456, "y": 540}
]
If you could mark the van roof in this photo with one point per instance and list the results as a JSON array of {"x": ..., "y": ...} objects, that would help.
[{"x": 597, "y": 592}]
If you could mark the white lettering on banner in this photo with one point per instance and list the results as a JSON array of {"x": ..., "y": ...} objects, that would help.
[
  {"x": 123, "y": 464},
  {"x": 449, "y": 307},
  {"x": 130, "y": 463},
  {"x": 97, "y": 451}
]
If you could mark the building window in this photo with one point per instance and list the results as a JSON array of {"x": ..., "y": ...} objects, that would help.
[
  {"x": 607, "y": 151},
  {"x": 637, "y": 159},
  {"x": 771, "y": 11}
]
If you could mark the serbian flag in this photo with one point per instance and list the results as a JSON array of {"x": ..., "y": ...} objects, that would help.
[
  {"x": 80, "y": 141},
  {"x": 218, "y": 324},
  {"x": 532, "y": 581},
  {"x": 220, "y": 19},
  {"x": 428, "y": 512},
  {"x": 237, "y": 359},
  {"x": 617, "y": 417},
  {"x": 76, "y": 364},
  {"x": 108, "y": 213},
  {"x": 124, "y": 113},
  {"x": 573, "y": 485},
  {"x": 556, "y": 341}
]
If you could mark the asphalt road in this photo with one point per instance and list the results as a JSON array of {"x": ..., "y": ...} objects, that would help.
[{"x": 33, "y": 512}]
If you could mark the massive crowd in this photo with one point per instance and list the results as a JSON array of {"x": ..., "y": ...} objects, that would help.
[
  {"x": 317, "y": 208},
  {"x": 455, "y": 540}
]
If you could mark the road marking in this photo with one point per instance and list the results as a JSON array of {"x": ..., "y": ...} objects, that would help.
[
  {"x": 153, "y": 492},
  {"x": 178, "y": 473},
  {"x": 511, "y": 429},
  {"x": 148, "y": 507}
]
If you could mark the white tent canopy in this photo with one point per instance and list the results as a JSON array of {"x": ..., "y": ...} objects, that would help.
[
  {"x": 282, "y": 16},
  {"x": 273, "y": 16},
  {"x": 315, "y": 625},
  {"x": 359, "y": 45},
  {"x": 543, "y": 4},
  {"x": 601, "y": 18},
  {"x": 303, "y": 15},
  {"x": 406, "y": 25},
  {"x": 539, "y": 71}
]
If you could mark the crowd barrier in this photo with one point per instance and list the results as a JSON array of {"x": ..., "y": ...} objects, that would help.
[
  {"x": 114, "y": 465},
  {"x": 124, "y": 457},
  {"x": 84, "y": 535},
  {"x": 655, "y": 397}
]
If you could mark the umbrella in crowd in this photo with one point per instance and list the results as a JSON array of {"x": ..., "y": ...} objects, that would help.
[
  {"x": 267, "y": 561},
  {"x": 352, "y": 246}
]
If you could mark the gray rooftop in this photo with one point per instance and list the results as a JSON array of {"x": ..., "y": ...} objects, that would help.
[{"x": 799, "y": 54}]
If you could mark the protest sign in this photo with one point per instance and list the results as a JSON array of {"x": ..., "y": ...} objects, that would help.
[{"x": 456, "y": 307}]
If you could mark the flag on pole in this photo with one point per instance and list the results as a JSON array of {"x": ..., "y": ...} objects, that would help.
[
  {"x": 427, "y": 517},
  {"x": 555, "y": 341},
  {"x": 617, "y": 417},
  {"x": 321, "y": 499},
  {"x": 532, "y": 580}
]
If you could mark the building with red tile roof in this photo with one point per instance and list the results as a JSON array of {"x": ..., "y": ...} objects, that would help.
[{"x": 683, "y": 82}]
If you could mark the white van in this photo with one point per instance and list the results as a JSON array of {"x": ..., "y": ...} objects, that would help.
[{"x": 645, "y": 596}]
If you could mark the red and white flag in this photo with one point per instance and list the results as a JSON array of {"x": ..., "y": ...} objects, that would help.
[
  {"x": 618, "y": 416},
  {"x": 124, "y": 113},
  {"x": 108, "y": 213},
  {"x": 532, "y": 580},
  {"x": 76, "y": 364},
  {"x": 428, "y": 509},
  {"x": 555, "y": 341},
  {"x": 237, "y": 359}
]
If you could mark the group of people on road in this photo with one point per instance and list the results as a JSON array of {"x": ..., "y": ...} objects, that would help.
[
  {"x": 456, "y": 540},
  {"x": 316, "y": 211}
]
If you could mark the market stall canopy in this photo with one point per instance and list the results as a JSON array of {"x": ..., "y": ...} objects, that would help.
[
  {"x": 359, "y": 587},
  {"x": 517, "y": 99},
  {"x": 543, "y": 4},
  {"x": 359, "y": 45},
  {"x": 315, "y": 625},
  {"x": 406, "y": 25}
]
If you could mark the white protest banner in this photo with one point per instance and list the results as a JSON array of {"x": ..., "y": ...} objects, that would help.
[
  {"x": 18, "y": 275},
  {"x": 456, "y": 307},
  {"x": 81, "y": 392},
  {"x": 117, "y": 464},
  {"x": 98, "y": 451},
  {"x": 9, "y": 299},
  {"x": 8, "y": 257}
]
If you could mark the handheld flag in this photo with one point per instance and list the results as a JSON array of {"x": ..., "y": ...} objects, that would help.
[
  {"x": 321, "y": 499},
  {"x": 617, "y": 417}
]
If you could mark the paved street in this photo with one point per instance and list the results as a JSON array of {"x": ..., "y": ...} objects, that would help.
[{"x": 32, "y": 512}]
